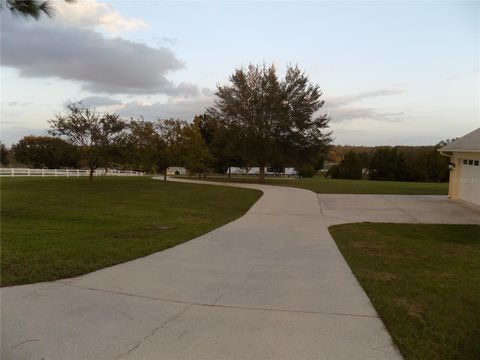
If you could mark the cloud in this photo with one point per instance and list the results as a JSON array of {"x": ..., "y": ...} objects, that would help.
[
  {"x": 100, "y": 64},
  {"x": 19, "y": 103},
  {"x": 90, "y": 14},
  {"x": 345, "y": 100},
  {"x": 344, "y": 114},
  {"x": 165, "y": 40},
  {"x": 11, "y": 134},
  {"x": 472, "y": 71},
  {"x": 98, "y": 101},
  {"x": 180, "y": 108},
  {"x": 342, "y": 109}
]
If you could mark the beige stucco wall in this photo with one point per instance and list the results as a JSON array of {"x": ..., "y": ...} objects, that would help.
[{"x": 465, "y": 179}]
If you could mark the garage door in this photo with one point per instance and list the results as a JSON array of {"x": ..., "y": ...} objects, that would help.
[{"x": 470, "y": 186}]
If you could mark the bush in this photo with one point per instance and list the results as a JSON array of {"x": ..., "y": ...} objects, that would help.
[
  {"x": 334, "y": 172},
  {"x": 349, "y": 168},
  {"x": 307, "y": 171}
]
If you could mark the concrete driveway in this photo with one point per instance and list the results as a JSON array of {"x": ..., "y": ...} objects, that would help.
[
  {"x": 428, "y": 209},
  {"x": 270, "y": 285}
]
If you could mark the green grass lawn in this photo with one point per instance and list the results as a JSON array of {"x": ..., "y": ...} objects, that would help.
[
  {"x": 53, "y": 228},
  {"x": 424, "y": 281},
  {"x": 322, "y": 185}
]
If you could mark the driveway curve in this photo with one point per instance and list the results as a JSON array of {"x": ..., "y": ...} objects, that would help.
[{"x": 270, "y": 285}]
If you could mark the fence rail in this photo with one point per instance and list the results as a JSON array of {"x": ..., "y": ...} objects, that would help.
[{"x": 12, "y": 172}]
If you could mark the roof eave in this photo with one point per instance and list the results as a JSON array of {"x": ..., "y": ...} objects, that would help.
[{"x": 459, "y": 150}]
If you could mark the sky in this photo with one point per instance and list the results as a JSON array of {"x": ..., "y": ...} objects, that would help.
[{"x": 391, "y": 73}]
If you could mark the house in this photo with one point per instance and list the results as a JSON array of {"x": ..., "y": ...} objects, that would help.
[{"x": 464, "y": 156}]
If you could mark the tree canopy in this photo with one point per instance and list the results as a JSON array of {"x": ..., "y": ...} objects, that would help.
[
  {"x": 30, "y": 9},
  {"x": 45, "y": 151},
  {"x": 97, "y": 136},
  {"x": 272, "y": 120}
]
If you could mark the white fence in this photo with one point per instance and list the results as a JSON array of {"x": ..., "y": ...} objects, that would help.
[{"x": 66, "y": 172}]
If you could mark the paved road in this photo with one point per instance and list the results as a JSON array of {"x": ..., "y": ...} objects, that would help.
[{"x": 270, "y": 285}]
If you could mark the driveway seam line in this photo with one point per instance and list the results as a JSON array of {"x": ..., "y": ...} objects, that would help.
[
  {"x": 415, "y": 219},
  {"x": 275, "y": 214},
  {"x": 223, "y": 306}
]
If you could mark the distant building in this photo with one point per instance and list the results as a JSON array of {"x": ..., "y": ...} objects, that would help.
[
  {"x": 255, "y": 171},
  {"x": 176, "y": 170},
  {"x": 464, "y": 156},
  {"x": 236, "y": 171}
]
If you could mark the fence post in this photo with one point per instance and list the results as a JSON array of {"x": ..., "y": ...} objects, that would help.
[
  {"x": 43, "y": 172},
  {"x": 13, "y": 171},
  {"x": 56, "y": 173},
  {"x": 78, "y": 172},
  {"x": 67, "y": 173},
  {"x": 28, "y": 171}
]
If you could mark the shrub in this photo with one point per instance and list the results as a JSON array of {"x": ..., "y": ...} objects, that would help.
[
  {"x": 334, "y": 172},
  {"x": 307, "y": 171}
]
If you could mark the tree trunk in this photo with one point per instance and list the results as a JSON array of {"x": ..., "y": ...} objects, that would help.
[
  {"x": 165, "y": 175},
  {"x": 262, "y": 173},
  {"x": 229, "y": 172},
  {"x": 90, "y": 177}
]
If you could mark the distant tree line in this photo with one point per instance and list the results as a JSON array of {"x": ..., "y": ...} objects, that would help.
[
  {"x": 257, "y": 120},
  {"x": 400, "y": 163}
]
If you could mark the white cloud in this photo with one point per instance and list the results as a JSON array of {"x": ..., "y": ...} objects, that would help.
[
  {"x": 349, "y": 113},
  {"x": 343, "y": 108},
  {"x": 99, "y": 101},
  {"x": 174, "y": 107},
  {"x": 463, "y": 74},
  {"x": 348, "y": 99},
  {"x": 92, "y": 14}
]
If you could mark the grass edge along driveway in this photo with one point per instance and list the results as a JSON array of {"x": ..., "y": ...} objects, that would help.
[
  {"x": 55, "y": 228},
  {"x": 321, "y": 185},
  {"x": 424, "y": 282}
]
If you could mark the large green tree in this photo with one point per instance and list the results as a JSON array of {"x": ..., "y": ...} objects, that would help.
[
  {"x": 195, "y": 154},
  {"x": 220, "y": 141},
  {"x": 388, "y": 164},
  {"x": 349, "y": 168},
  {"x": 4, "y": 155},
  {"x": 143, "y": 145},
  {"x": 170, "y": 145},
  {"x": 45, "y": 151},
  {"x": 272, "y": 120},
  {"x": 96, "y": 135}
]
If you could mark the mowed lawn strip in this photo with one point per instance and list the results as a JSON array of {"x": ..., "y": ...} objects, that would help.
[
  {"x": 424, "y": 281},
  {"x": 321, "y": 185},
  {"x": 54, "y": 228}
]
